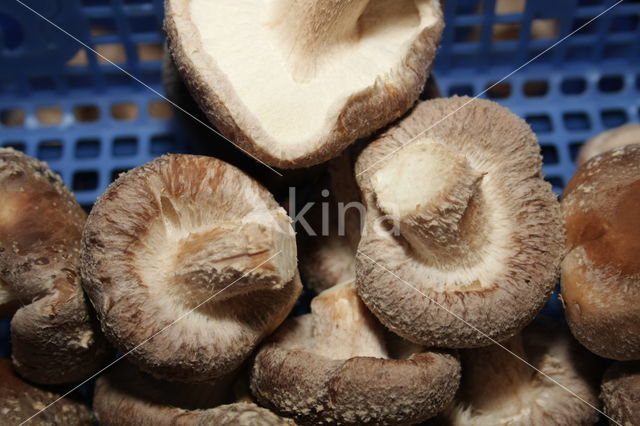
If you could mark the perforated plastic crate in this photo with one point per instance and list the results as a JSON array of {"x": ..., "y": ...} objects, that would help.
[{"x": 63, "y": 104}]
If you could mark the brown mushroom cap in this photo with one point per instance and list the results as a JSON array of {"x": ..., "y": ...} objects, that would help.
[
  {"x": 499, "y": 389},
  {"x": 601, "y": 271},
  {"x": 173, "y": 233},
  {"x": 19, "y": 401},
  {"x": 335, "y": 366},
  {"x": 53, "y": 336},
  {"x": 620, "y": 393},
  {"x": 627, "y": 134},
  {"x": 459, "y": 218},
  {"x": 312, "y": 77},
  {"x": 125, "y": 396}
]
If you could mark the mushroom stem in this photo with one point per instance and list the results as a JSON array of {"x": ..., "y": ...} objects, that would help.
[
  {"x": 253, "y": 255},
  {"x": 343, "y": 327},
  {"x": 494, "y": 368},
  {"x": 433, "y": 195},
  {"x": 309, "y": 29}
]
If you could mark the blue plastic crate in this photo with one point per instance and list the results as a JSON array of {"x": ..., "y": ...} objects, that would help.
[{"x": 57, "y": 97}]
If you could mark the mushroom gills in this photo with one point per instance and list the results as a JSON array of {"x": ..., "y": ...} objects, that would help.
[
  {"x": 305, "y": 48},
  {"x": 435, "y": 197}
]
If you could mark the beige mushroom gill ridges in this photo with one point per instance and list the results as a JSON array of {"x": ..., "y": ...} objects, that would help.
[
  {"x": 294, "y": 83},
  {"x": 462, "y": 215},
  {"x": 190, "y": 262}
]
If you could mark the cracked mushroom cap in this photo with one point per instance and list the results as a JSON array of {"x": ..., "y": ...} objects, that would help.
[
  {"x": 601, "y": 271},
  {"x": 54, "y": 338},
  {"x": 294, "y": 83},
  {"x": 20, "y": 401},
  {"x": 192, "y": 263},
  {"x": 459, "y": 225},
  {"x": 627, "y": 134},
  {"x": 337, "y": 365},
  {"x": 499, "y": 389},
  {"x": 125, "y": 396},
  {"x": 620, "y": 393}
]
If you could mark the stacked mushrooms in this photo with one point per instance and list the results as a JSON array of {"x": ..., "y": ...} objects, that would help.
[{"x": 439, "y": 244}]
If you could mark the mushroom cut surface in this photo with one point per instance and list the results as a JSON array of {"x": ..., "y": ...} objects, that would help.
[
  {"x": 338, "y": 366},
  {"x": 629, "y": 134},
  {"x": 601, "y": 271},
  {"x": 127, "y": 397},
  {"x": 620, "y": 393},
  {"x": 294, "y": 83},
  {"x": 190, "y": 262},
  {"x": 499, "y": 389},
  {"x": 462, "y": 237},
  {"x": 20, "y": 401},
  {"x": 53, "y": 335}
]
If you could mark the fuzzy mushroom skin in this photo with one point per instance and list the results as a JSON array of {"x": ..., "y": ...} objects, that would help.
[
  {"x": 126, "y": 397},
  {"x": 173, "y": 233},
  {"x": 351, "y": 117},
  {"x": 628, "y": 134},
  {"x": 297, "y": 373},
  {"x": 54, "y": 336},
  {"x": 508, "y": 241},
  {"x": 499, "y": 389},
  {"x": 20, "y": 400},
  {"x": 620, "y": 393},
  {"x": 601, "y": 271}
]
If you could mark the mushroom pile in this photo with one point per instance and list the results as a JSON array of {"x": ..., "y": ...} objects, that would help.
[{"x": 430, "y": 248}]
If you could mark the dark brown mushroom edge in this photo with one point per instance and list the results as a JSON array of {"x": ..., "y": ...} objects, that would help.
[
  {"x": 336, "y": 365},
  {"x": 20, "y": 401},
  {"x": 54, "y": 337},
  {"x": 337, "y": 70},
  {"x": 462, "y": 236},
  {"x": 127, "y": 397},
  {"x": 497, "y": 388},
  {"x": 620, "y": 393},
  {"x": 601, "y": 271},
  {"x": 189, "y": 264},
  {"x": 628, "y": 134}
]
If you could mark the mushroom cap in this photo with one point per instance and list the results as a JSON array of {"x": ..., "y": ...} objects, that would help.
[
  {"x": 19, "y": 401},
  {"x": 54, "y": 338},
  {"x": 620, "y": 392},
  {"x": 601, "y": 271},
  {"x": 498, "y": 389},
  {"x": 293, "y": 97},
  {"x": 627, "y": 134},
  {"x": 302, "y": 374},
  {"x": 125, "y": 396},
  {"x": 479, "y": 167},
  {"x": 190, "y": 262}
]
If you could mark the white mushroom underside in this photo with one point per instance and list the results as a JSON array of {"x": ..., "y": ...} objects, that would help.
[
  {"x": 237, "y": 37},
  {"x": 208, "y": 309},
  {"x": 493, "y": 256}
]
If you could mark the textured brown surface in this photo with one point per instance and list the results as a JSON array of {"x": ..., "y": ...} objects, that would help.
[
  {"x": 54, "y": 338},
  {"x": 20, "y": 400},
  {"x": 620, "y": 393},
  {"x": 516, "y": 285},
  {"x": 141, "y": 277},
  {"x": 601, "y": 272},
  {"x": 627, "y": 134},
  {"x": 499, "y": 389},
  {"x": 362, "y": 114},
  {"x": 126, "y": 397},
  {"x": 305, "y": 371}
]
